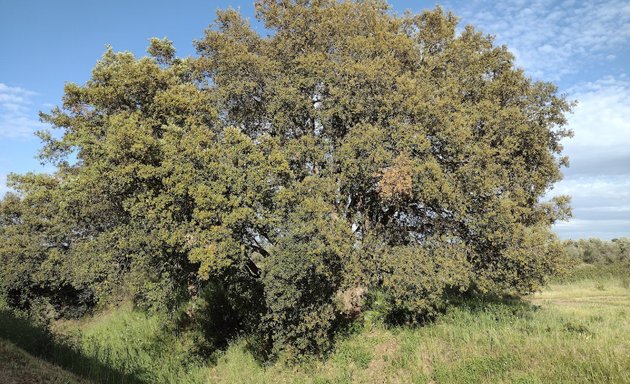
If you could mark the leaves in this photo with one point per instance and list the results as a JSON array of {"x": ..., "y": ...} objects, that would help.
[{"x": 349, "y": 149}]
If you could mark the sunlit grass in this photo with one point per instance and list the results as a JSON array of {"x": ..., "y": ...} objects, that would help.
[
  {"x": 136, "y": 344},
  {"x": 577, "y": 332},
  {"x": 574, "y": 331}
]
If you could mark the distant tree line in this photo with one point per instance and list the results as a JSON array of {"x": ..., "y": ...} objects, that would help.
[
  {"x": 598, "y": 251},
  {"x": 269, "y": 185}
]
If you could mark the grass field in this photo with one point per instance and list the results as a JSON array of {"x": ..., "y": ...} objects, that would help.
[
  {"x": 575, "y": 331},
  {"x": 19, "y": 367}
]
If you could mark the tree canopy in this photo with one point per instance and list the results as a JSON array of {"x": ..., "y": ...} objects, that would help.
[{"x": 351, "y": 150}]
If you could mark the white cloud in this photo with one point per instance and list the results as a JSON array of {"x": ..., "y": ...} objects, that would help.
[
  {"x": 602, "y": 117},
  {"x": 551, "y": 39},
  {"x": 601, "y": 123},
  {"x": 601, "y": 206},
  {"x": 18, "y": 119},
  {"x": 598, "y": 191},
  {"x": 605, "y": 229},
  {"x": 599, "y": 177}
]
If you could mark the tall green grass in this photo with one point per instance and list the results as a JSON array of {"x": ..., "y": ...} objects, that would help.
[
  {"x": 39, "y": 342},
  {"x": 118, "y": 346},
  {"x": 577, "y": 330},
  {"x": 20, "y": 367},
  {"x": 136, "y": 344}
]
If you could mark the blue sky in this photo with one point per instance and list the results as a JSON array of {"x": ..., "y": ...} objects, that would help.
[{"x": 582, "y": 46}]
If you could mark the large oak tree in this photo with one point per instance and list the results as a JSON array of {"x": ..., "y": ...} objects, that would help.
[{"x": 350, "y": 150}]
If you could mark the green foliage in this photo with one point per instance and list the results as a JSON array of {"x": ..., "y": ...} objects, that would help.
[
  {"x": 351, "y": 150},
  {"x": 302, "y": 278},
  {"x": 418, "y": 278},
  {"x": 35, "y": 276},
  {"x": 595, "y": 272},
  {"x": 597, "y": 251}
]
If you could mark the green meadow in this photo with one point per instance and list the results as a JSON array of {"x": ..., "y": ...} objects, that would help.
[{"x": 577, "y": 330}]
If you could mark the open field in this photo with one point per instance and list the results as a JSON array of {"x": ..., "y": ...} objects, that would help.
[{"x": 575, "y": 331}]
